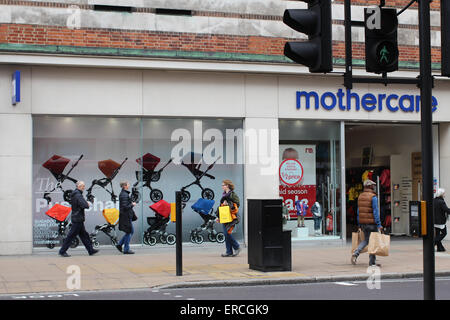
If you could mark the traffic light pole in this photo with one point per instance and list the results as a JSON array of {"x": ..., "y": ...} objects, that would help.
[{"x": 426, "y": 81}]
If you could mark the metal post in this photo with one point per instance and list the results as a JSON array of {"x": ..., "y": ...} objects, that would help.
[
  {"x": 348, "y": 81},
  {"x": 179, "y": 235},
  {"x": 426, "y": 81}
]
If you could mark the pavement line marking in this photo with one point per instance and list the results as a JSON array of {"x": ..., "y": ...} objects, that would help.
[{"x": 346, "y": 284}]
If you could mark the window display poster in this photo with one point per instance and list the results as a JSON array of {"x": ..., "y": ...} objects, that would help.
[
  {"x": 103, "y": 152},
  {"x": 298, "y": 176}
]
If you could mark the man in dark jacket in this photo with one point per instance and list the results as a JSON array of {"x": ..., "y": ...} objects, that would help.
[
  {"x": 79, "y": 204},
  {"x": 126, "y": 218},
  {"x": 441, "y": 212}
]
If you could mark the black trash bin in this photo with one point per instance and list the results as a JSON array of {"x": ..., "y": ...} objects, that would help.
[{"x": 269, "y": 248}]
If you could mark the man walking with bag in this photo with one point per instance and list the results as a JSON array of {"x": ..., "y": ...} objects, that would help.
[
  {"x": 79, "y": 204},
  {"x": 368, "y": 219}
]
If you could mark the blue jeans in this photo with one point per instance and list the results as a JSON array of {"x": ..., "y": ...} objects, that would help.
[
  {"x": 367, "y": 229},
  {"x": 317, "y": 221},
  {"x": 230, "y": 242},
  {"x": 126, "y": 239}
]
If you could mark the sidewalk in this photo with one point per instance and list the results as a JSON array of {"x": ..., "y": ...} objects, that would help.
[{"x": 45, "y": 271}]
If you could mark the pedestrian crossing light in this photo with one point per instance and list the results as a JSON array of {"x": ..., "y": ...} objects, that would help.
[
  {"x": 315, "y": 22},
  {"x": 381, "y": 40}
]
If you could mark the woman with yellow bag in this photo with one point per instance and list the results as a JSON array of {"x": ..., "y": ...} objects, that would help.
[{"x": 228, "y": 216}]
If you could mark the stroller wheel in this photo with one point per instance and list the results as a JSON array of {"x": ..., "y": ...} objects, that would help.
[
  {"x": 185, "y": 196},
  {"x": 199, "y": 239},
  {"x": 50, "y": 245},
  {"x": 171, "y": 239},
  {"x": 67, "y": 195},
  {"x": 163, "y": 239},
  {"x": 95, "y": 244},
  {"x": 208, "y": 194},
  {"x": 155, "y": 176},
  {"x": 90, "y": 198},
  {"x": 220, "y": 237},
  {"x": 75, "y": 242},
  {"x": 152, "y": 241},
  {"x": 135, "y": 196},
  {"x": 212, "y": 237},
  {"x": 156, "y": 195}
]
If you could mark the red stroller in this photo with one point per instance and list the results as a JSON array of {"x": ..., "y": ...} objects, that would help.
[
  {"x": 60, "y": 213},
  {"x": 110, "y": 169},
  {"x": 148, "y": 175},
  {"x": 56, "y": 166},
  {"x": 158, "y": 224},
  {"x": 194, "y": 168}
]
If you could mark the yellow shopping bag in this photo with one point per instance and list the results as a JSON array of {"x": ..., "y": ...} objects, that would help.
[
  {"x": 173, "y": 212},
  {"x": 111, "y": 216},
  {"x": 225, "y": 214},
  {"x": 379, "y": 244}
]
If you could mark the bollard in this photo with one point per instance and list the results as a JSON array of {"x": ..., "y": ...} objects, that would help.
[{"x": 179, "y": 235}]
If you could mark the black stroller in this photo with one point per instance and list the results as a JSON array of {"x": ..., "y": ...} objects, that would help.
[
  {"x": 158, "y": 224},
  {"x": 109, "y": 228},
  {"x": 60, "y": 213},
  {"x": 148, "y": 175},
  {"x": 110, "y": 169},
  {"x": 56, "y": 166},
  {"x": 194, "y": 168},
  {"x": 204, "y": 208}
]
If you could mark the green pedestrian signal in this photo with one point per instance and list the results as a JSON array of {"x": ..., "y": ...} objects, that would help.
[{"x": 381, "y": 41}]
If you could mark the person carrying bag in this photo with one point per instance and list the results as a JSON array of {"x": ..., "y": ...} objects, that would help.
[
  {"x": 379, "y": 244},
  {"x": 228, "y": 215}
]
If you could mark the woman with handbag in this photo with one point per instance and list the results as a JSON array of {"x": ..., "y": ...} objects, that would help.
[
  {"x": 231, "y": 199},
  {"x": 126, "y": 218}
]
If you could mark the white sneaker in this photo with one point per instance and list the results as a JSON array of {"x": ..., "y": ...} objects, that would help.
[{"x": 236, "y": 252}]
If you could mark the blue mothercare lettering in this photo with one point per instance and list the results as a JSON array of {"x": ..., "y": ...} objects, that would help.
[{"x": 348, "y": 100}]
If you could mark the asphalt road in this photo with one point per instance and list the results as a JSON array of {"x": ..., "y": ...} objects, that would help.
[{"x": 392, "y": 289}]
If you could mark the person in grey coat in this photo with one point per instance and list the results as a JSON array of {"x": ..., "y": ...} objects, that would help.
[{"x": 126, "y": 218}]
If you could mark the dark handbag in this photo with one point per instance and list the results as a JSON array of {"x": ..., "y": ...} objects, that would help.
[{"x": 134, "y": 218}]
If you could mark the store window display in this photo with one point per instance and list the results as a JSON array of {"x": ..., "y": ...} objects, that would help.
[{"x": 102, "y": 151}]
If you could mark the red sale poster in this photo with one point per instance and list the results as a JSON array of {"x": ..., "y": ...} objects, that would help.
[{"x": 297, "y": 174}]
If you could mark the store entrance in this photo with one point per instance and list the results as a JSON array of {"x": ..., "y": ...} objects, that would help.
[{"x": 390, "y": 155}]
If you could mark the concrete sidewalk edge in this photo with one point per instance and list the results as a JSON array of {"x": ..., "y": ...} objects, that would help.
[{"x": 297, "y": 280}]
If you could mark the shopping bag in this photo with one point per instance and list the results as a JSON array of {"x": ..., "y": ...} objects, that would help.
[
  {"x": 225, "y": 214},
  {"x": 59, "y": 212},
  {"x": 379, "y": 244},
  {"x": 357, "y": 238},
  {"x": 111, "y": 216}
]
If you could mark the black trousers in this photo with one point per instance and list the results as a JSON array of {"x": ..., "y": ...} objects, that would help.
[
  {"x": 440, "y": 235},
  {"x": 77, "y": 229}
]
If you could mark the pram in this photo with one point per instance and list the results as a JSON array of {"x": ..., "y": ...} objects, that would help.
[
  {"x": 148, "y": 175},
  {"x": 158, "y": 224},
  {"x": 204, "y": 208},
  {"x": 59, "y": 213},
  {"x": 194, "y": 168},
  {"x": 56, "y": 166},
  {"x": 109, "y": 228},
  {"x": 110, "y": 169}
]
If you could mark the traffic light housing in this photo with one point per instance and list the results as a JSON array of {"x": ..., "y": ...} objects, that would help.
[
  {"x": 316, "y": 53},
  {"x": 445, "y": 38},
  {"x": 381, "y": 42}
]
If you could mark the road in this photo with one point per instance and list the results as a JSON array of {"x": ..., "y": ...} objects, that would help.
[{"x": 392, "y": 289}]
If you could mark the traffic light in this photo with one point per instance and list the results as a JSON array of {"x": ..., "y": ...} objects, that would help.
[
  {"x": 381, "y": 40},
  {"x": 316, "y": 53},
  {"x": 445, "y": 38}
]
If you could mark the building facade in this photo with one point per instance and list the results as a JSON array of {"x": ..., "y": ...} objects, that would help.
[{"x": 202, "y": 86}]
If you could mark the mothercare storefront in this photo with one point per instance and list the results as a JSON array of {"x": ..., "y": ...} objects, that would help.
[{"x": 303, "y": 138}]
